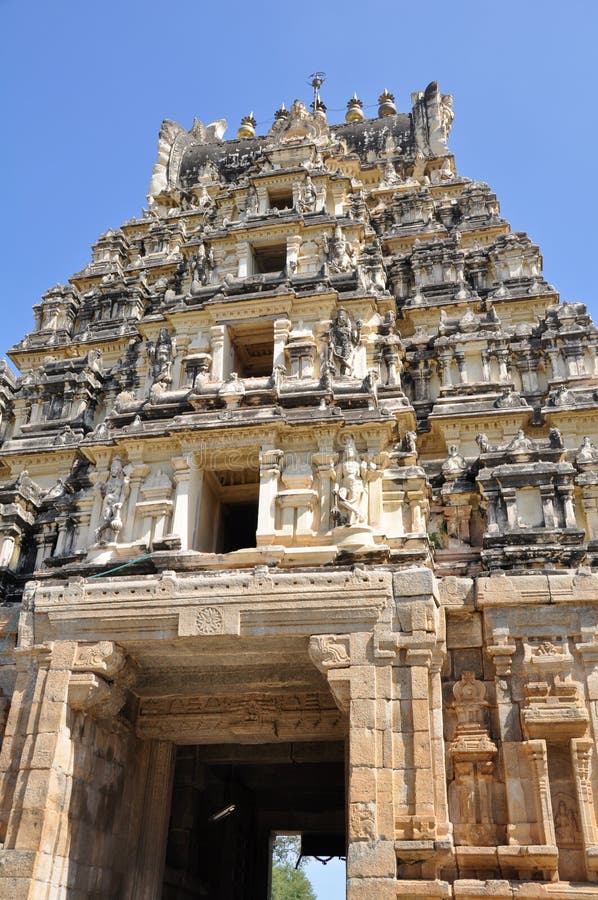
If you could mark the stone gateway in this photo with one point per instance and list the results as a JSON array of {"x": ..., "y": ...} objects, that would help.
[{"x": 299, "y": 534}]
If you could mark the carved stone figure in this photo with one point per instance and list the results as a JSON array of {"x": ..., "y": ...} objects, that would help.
[
  {"x": 454, "y": 465},
  {"x": 343, "y": 339},
  {"x": 561, "y": 396},
  {"x": 161, "y": 355},
  {"x": 483, "y": 443},
  {"x": 113, "y": 492},
  {"x": 339, "y": 252},
  {"x": 349, "y": 490},
  {"x": 307, "y": 199},
  {"x": 520, "y": 443},
  {"x": 253, "y": 202},
  {"x": 587, "y": 453},
  {"x": 409, "y": 442},
  {"x": 510, "y": 399},
  {"x": 202, "y": 266},
  {"x": 232, "y": 391},
  {"x": 565, "y": 824}
]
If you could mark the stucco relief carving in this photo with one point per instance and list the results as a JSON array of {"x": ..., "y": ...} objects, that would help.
[
  {"x": 103, "y": 658},
  {"x": 209, "y": 620},
  {"x": 328, "y": 651}
]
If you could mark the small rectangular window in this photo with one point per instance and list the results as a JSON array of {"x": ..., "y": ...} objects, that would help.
[
  {"x": 253, "y": 346},
  {"x": 271, "y": 258},
  {"x": 280, "y": 198}
]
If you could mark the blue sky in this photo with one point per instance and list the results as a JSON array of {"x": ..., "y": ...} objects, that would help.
[{"x": 86, "y": 85}]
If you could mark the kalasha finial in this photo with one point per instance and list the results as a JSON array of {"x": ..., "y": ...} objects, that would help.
[
  {"x": 281, "y": 113},
  {"x": 354, "y": 110},
  {"x": 247, "y": 127},
  {"x": 316, "y": 79},
  {"x": 386, "y": 102}
]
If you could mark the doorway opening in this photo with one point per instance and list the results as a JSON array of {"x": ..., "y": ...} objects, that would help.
[
  {"x": 229, "y": 510},
  {"x": 229, "y": 801}
]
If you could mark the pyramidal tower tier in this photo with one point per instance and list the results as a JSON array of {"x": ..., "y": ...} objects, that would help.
[{"x": 298, "y": 533}]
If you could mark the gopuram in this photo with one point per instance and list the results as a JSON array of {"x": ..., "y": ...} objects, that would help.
[{"x": 298, "y": 534}]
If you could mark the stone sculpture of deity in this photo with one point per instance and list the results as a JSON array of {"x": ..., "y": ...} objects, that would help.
[
  {"x": 307, "y": 196},
  {"x": 113, "y": 492},
  {"x": 338, "y": 252},
  {"x": 202, "y": 266},
  {"x": 161, "y": 356},
  {"x": 349, "y": 491},
  {"x": 343, "y": 339}
]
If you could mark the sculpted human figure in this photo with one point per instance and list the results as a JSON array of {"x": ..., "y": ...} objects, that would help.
[
  {"x": 344, "y": 338},
  {"x": 307, "y": 196},
  {"x": 202, "y": 266},
  {"x": 252, "y": 202},
  {"x": 349, "y": 490},
  {"x": 114, "y": 492},
  {"x": 161, "y": 356},
  {"x": 339, "y": 252},
  {"x": 565, "y": 824}
]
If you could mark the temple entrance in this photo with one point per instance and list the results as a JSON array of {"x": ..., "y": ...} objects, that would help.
[{"x": 230, "y": 800}]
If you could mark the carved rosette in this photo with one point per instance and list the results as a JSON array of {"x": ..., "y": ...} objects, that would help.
[{"x": 209, "y": 620}]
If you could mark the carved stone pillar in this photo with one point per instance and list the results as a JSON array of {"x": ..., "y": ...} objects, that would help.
[
  {"x": 574, "y": 353},
  {"x": 338, "y": 197},
  {"x": 8, "y": 546},
  {"x": 217, "y": 342},
  {"x": 156, "y": 773},
  {"x": 510, "y": 498},
  {"x": 547, "y": 494},
  {"x": 461, "y": 366},
  {"x": 444, "y": 365},
  {"x": 485, "y": 366},
  {"x": 83, "y": 539},
  {"x": 537, "y": 753},
  {"x": 566, "y": 493},
  {"x": 293, "y": 247},
  {"x": 243, "y": 259},
  {"x": 417, "y": 519},
  {"x": 398, "y": 829},
  {"x": 528, "y": 369},
  {"x": 502, "y": 356},
  {"x": 325, "y": 461},
  {"x": 50, "y": 775},
  {"x": 554, "y": 356},
  {"x": 136, "y": 478},
  {"x": 188, "y": 478},
  {"x": 281, "y": 334},
  {"x": 269, "y": 476},
  {"x": 61, "y": 522},
  {"x": 490, "y": 501},
  {"x": 582, "y": 750}
]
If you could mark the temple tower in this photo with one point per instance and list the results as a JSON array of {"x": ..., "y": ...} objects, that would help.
[{"x": 298, "y": 533}]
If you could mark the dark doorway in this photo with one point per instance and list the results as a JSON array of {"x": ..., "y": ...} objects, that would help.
[
  {"x": 239, "y": 525},
  {"x": 228, "y": 801}
]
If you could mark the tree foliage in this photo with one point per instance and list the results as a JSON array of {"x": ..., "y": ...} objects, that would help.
[
  {"x": 287, "y": 849},
  {"x": 288, "y": 882}
]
